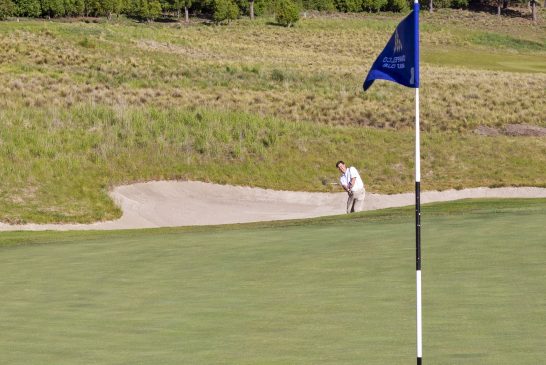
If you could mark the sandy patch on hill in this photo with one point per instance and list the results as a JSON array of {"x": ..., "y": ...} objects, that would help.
[
  {"x": 513, "y": 130},
  {"x": 189, "y": 203}
]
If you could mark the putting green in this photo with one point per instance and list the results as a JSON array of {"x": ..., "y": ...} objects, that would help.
[{"x": 324, "y": 291}]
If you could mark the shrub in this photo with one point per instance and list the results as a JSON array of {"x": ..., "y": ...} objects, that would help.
[
  {"x": 459, "y": 4},
  {"x": 373, "y": 5},
  {"x": 397, "y": 5},
  {"x": 87, "y": 43},
  {"x": 320, "y": 5},
  {"x": 30, "y": 8},
  {"x": 7, "y": 8},
  {"x": 224, "y": 10},
  {"x": 441, "y": 3},
  {"x": 260, "y": 6},
  {"x": 349, "y": 6},
  {"x": 52, "y": 8},
  {"x": 154, "y": 10},
  {"x": 286, "y": 13}
]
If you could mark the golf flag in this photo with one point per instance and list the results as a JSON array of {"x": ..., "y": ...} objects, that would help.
[{"x": 399, "y": 61}]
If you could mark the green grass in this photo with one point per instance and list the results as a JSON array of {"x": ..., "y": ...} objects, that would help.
[
  {"x": 479, "y": 59},
  {"x": 331, "y": 290},
  {"x": 505, "y": 41}
]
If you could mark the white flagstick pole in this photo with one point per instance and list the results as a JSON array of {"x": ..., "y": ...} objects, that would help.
[
  {"x": 418, "y": 192},
  {"x": 418, "y": 229}
]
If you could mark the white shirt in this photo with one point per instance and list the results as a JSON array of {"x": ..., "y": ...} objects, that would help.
[{"x": 345, "y": 179}]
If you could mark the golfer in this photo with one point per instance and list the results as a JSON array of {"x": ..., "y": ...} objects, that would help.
[{"x": 354, "y": 186}]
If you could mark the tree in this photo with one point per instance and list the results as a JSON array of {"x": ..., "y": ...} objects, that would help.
[
  {"x": 251, "y": 4},
  {"x": 373, "y": 5},
  {"x": 534, "y": 10},
  {"x": 349, "y": 6},
  {"x": 144, "y": 9},
  {"x": 69, "y": 7},
  {"x": 52, "y": 8},
  {"x": 320, "y": 5},
  {"x": 30, "y": 8},
  {"x": 92, "y": 7},
  {"x": 286, "y": 13},
  {"x": 154, "y": 10},
  {"x": 397, "y": 5},
  {"x": 179, "y": 4},
  {"x": 7, "y": 8},
  {"x": 459, "y": 4},
  {"x": 79, "y": 7},
  {"x": 107, "y": 7},
  {"x": 187, "y": 5},
  {"x": 224, "y": 10}
]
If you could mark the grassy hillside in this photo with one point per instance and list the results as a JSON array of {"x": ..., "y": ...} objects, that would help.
[
  {"x": 58, "y": 164},
  {"x": 312, "y": 72},
  {"x": 333, "y": 290},
  {"x": 86, "y": 106}
]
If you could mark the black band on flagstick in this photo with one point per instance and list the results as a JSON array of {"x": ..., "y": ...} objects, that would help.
[
  {"x": 418, "y": 223},
  {"x": 418, "y": 263}
]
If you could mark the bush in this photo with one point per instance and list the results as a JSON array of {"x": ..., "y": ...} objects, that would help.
[
  {"x": 438, "y": 4},
  {"x": 224, "y": 10},
  {"x": 260, "y": 6},
  {"x": 286, "y": 13},
  {"x": 459, "y": 4},
  {"x": 349, "y": 6},
  {"x": 397, "y": 5},
  {"x": 30, "y": 8},
  {"x": 320, "y": 5},
  {"x": 52, "y": 8},
  {"x": 154, "y": 10},
  {"x": 7, "y": 8},
  {"x": 373, "y": 5}
]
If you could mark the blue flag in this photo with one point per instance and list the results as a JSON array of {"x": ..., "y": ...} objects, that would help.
[{"x": 399, "y": 61}]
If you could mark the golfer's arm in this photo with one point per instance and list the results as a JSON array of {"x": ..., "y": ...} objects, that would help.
[{"x": 353, "y": 180}]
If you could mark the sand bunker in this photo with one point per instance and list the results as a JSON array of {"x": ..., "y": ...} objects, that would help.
[{"x": 189, "y": 203}]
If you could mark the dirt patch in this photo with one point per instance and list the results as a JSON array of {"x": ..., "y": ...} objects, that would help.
[
  {"x": 512, "y": 130},
  {"x": 487, "y": 131},
  {"x": 524, "y": 130}
]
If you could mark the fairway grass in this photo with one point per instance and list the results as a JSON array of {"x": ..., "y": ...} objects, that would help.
[{"x": 335, "y": 290}]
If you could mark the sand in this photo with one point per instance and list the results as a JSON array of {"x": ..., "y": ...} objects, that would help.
[{"x": 189, "y": 203}]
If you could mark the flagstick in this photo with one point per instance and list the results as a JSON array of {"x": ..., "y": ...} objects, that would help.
[
  {"x": 418, "y": 191},
  {"x": 390, "y": 67},
  {"x": 418, "y": 229}
]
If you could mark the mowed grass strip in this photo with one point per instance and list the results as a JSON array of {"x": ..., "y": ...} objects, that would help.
[
  {"x": 58, "y": 165},
  {"x": 335, "y": 290}
]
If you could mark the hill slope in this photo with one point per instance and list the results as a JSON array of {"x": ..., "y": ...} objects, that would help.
[{"x": 88, "y": 106}]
